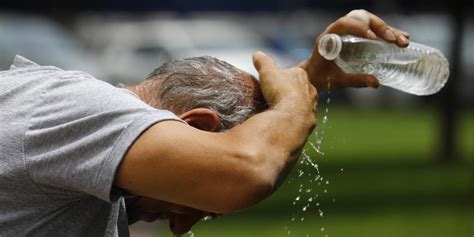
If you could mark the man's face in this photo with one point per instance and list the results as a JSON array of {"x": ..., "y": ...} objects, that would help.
[{"x": 180, "y": 218}]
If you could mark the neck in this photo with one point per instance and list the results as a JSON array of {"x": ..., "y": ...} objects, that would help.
[{"x": 142, "y": 93}]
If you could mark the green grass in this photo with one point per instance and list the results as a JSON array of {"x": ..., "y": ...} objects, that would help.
[
  {"x": 435, "y": 223},
  {"x": 391, "y": 183}
]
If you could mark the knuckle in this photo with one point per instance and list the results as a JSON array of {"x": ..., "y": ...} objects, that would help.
[
  {"x": 362, "y": 10},
  {"x": 345, "y": 20},
  {"x": 299, "y": 71}
]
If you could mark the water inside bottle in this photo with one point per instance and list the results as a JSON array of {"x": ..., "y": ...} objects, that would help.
[{"x": 419, "y": 70}]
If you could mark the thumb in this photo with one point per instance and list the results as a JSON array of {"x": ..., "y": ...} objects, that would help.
[
  {"x": 359, "y": 80},
  {"x": 262, "y": 62}
]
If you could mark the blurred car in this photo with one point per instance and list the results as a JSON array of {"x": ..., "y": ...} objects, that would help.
[
  {"x": 43, "y": 41},
  {"x": 132, "y": 49}
]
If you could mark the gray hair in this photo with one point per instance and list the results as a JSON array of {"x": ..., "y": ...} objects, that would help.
[{"x": 206, "y": 82}]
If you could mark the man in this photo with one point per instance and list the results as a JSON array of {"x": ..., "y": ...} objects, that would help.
[{"x": 73, "y": 148}]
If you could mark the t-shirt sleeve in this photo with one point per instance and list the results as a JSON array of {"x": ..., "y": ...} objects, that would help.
[{"x": 79, "y": 133}]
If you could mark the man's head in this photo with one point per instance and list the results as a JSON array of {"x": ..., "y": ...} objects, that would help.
[
  {"x": 208, "y": 94},
  {"x": 203, "y": 89}
]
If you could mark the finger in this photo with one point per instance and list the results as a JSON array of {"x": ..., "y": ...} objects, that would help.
[
  {"x": 361, "y": 15},
  {"x": 359, "y": 81},
  {"x": 150, "y": 217},
  {"x": 387, "y": 32},
  {"x": 350, "y": 26},
  {"x": 181, "y": 224},
  {"x": 406, "y": 34},
  {"x": 364, "y": 17},
  {"x": 402, "y": 39},
  {"x": 381, "y": 29},
  {"x": 262, "y": 62}
]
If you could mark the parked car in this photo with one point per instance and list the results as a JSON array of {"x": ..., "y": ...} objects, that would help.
[{"x": 132, "y": 49}]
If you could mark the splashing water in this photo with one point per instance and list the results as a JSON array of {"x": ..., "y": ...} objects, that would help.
[
  {"x": 308, "y": 159},
  {"x": 188, "y": 234},
  {"x": 306, "y": 196}
]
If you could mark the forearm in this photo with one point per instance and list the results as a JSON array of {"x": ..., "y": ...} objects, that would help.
[
  {"x": 273, "y": 140},
  {"x": 224, "y": 172},
  {"x": 277, "y": 136},
  {"x": 217, "y": 172}
]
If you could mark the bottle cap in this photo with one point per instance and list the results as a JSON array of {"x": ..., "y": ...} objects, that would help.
[{"x": 330, "y": 46}]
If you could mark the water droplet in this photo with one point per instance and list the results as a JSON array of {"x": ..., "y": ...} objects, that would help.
[
  {"x": 342, "y": 169},
  {"x": 297, "y": 198},
  {"x": 310, "y": 199},
  {"x": 294, "y": 203},
  {"x": 308, "y": 190},
  {"x": 300, "y": 173},
  {"x": 325, "y": 119},
  {"x": 304, "y": 208},
  {"x": 299, "y": 190},
  {"x": 302, "y": 219},
  {"x": 325, "y": 191},
  {"x": 293, "y": 219},
  {"x": 321, "y": 213},
  {"x": 327, "y": 182},
  {"x": 328, "y": 100},
  {"x": 333, "y": 200},
  {"x": 315, "y": 148},
  {"x": 289, "y": 232},
  {"x": 327, "y": 109},
  {"x": 322, "y": 229},
  {"x": 315, "y": 166}
]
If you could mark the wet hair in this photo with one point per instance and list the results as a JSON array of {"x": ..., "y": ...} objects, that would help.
[{"x": 206, "y": 82}]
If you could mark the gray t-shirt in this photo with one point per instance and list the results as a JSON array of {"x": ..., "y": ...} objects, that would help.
[{"x": 62, "y": 137}]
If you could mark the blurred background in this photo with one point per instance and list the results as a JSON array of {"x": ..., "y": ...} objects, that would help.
[{"x": 391, "y": 164}]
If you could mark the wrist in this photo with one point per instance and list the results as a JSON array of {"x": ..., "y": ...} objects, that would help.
[
  {"x": 298, "y": 108},
  {"x": 307, "y": 66}
]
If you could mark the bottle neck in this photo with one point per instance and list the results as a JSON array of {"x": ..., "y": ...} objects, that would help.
[{"x": 329, "y": 46}]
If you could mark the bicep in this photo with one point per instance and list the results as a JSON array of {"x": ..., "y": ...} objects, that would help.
[{"x": 177, "y": 163}]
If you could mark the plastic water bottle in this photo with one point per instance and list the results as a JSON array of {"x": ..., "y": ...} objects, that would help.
[{"x": 417, "y": 69}]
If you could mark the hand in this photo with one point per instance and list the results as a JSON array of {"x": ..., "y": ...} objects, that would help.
[
  {"x": 288, "y": 84},
  {"x": 181, "y": 218},
  {"x": 359, "y": 23}
]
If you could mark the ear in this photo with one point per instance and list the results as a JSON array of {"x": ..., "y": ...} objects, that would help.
[{"x": 202, "y": 118}]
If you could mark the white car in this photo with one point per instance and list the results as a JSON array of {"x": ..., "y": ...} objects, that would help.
[{"x": 132, "y": 49}]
